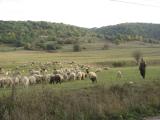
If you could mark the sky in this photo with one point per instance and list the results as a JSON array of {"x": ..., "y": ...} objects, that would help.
[{"x": 83, "y": 13}]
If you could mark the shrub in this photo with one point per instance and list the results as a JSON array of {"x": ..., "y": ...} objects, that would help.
[
  {"x": 137, "y": 55},
  {"x": 117, "y": 102},
  {"x": 76, "y": 48},
  {"x": 118, "y": 63},
  {"x": 89, "y": 41},
  {"x": 105, "y": 47},
  {"x": 69, "y": 41},
  {"x": 28, "y": 46},
  {"x": 52, "y": 46}
]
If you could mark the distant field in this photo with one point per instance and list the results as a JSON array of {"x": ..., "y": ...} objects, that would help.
[{"x": 98, "y": 57}]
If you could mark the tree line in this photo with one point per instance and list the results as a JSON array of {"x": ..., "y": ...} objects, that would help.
[
  {"x": 42, "y": 35},
  {"x": 146, "y": 32}
]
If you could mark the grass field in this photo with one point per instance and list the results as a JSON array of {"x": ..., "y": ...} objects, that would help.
[
  {"x": 109, "y": 99},
  {"x": 104, "y": 57},
  {"x": 100, "y": 58}
]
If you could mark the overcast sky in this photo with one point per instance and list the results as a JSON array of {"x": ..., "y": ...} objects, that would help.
[{"x": 84, "y": 13}]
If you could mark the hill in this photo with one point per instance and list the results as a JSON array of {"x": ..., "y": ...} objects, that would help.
[
  {"x": 42, "y": 35},
  {"x": 130, "y": 31}
]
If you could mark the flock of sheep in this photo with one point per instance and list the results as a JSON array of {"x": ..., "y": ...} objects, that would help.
[{"x": 49, "y": 72}]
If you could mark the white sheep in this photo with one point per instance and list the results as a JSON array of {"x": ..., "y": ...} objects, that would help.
[
  {"x": 98, "y": 70},
  {"x": 119, "y": 74},
  {"x": 33, "y": 72},
  {"x": 25, "y": 81},
  {"x": 79, "y": 75},
  {"x": 106, "y": 68},
  {"x": 84, "y": 75},
  {"x": 47, "y": 77},
  {"x": 65, "y": 76},
  {"x": 16, "y": 80},
  {"x": 72, "y": 76},
  {"x": 6, "y": 81},
  {"x": 32, "y": 80},
  {"x": 93, "y": 76},
  {"x": 39, "y": 78}
]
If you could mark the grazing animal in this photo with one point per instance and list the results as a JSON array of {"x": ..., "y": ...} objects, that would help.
[
  {"x": 57, "y": 78},
  {"x": 79, "y": 75},
  {"x": 34, "y": 72},
  {"x": 106, "y": 68},
  {"x": 119, "y": 74},
  {"x": 92, "y": 76},
  {"x": 72, "y": 76},
  {"x": 25, "y": 81},
  {"x": 98, "y": 70},
  {"x": 39, "y": 78},
  {"x": 84, "y": 75},
  {"x": 32, "y": 80}
]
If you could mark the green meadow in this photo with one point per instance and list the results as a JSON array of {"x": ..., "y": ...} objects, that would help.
[{"x": 111, "y": 98}]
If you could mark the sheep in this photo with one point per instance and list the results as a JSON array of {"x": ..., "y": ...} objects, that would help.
[
  {"x": 79, "y": 75},
  {"x": 72, "y": 76},
  {"x": 84, "y": 75},
  {"x": 57, "y": 71},
  {"x": 32, "y": 80},
  {"x": 32, "y": 72},
  {"x": 65, "y": 76},
  {"x": 47, "y": 77},
  {"x": 57, "y": 78},
  {"x": 2, "y": 70},
  {"x": 131, "y": 82},
  {"x": 92, "y": 76},
  {"x": 106, "y": 68},
  {"x": 98, "y": 70},
  {"x": 119, "y": 74},
  {"x": 25, "y": 81},
  {"x": 6, "y": 81},
  {"x": 39, "y": 78},
  {"x": 16, "y": 80}
]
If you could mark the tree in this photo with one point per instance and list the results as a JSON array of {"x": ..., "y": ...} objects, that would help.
[
  {"x": 137, "y": 55},
  {"x": 28, "y": 46},
  {"x": 105, "y": 47},
  {"x": 50, "y": 46},
  {"x": 76, "y": 47}
]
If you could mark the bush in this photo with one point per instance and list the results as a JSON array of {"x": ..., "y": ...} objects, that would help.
[
  {"x": 118, "y": 63},
  {"x": 89, "y": 41},
  {"x": 52, "y": 46},
  {"x": 137, "y": 55},
  {"x": 105, "y": 47},
  {"x": 28, "y": 46},
  {"x": 69, "y": 41},
  {"x": 76, "y": 48}
]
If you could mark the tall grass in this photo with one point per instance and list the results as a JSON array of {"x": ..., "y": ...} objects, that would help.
[{"x": 117, "y": 102}]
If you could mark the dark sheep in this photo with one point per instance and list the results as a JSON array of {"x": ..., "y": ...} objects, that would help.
[{"x": 56, "y": 79}]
